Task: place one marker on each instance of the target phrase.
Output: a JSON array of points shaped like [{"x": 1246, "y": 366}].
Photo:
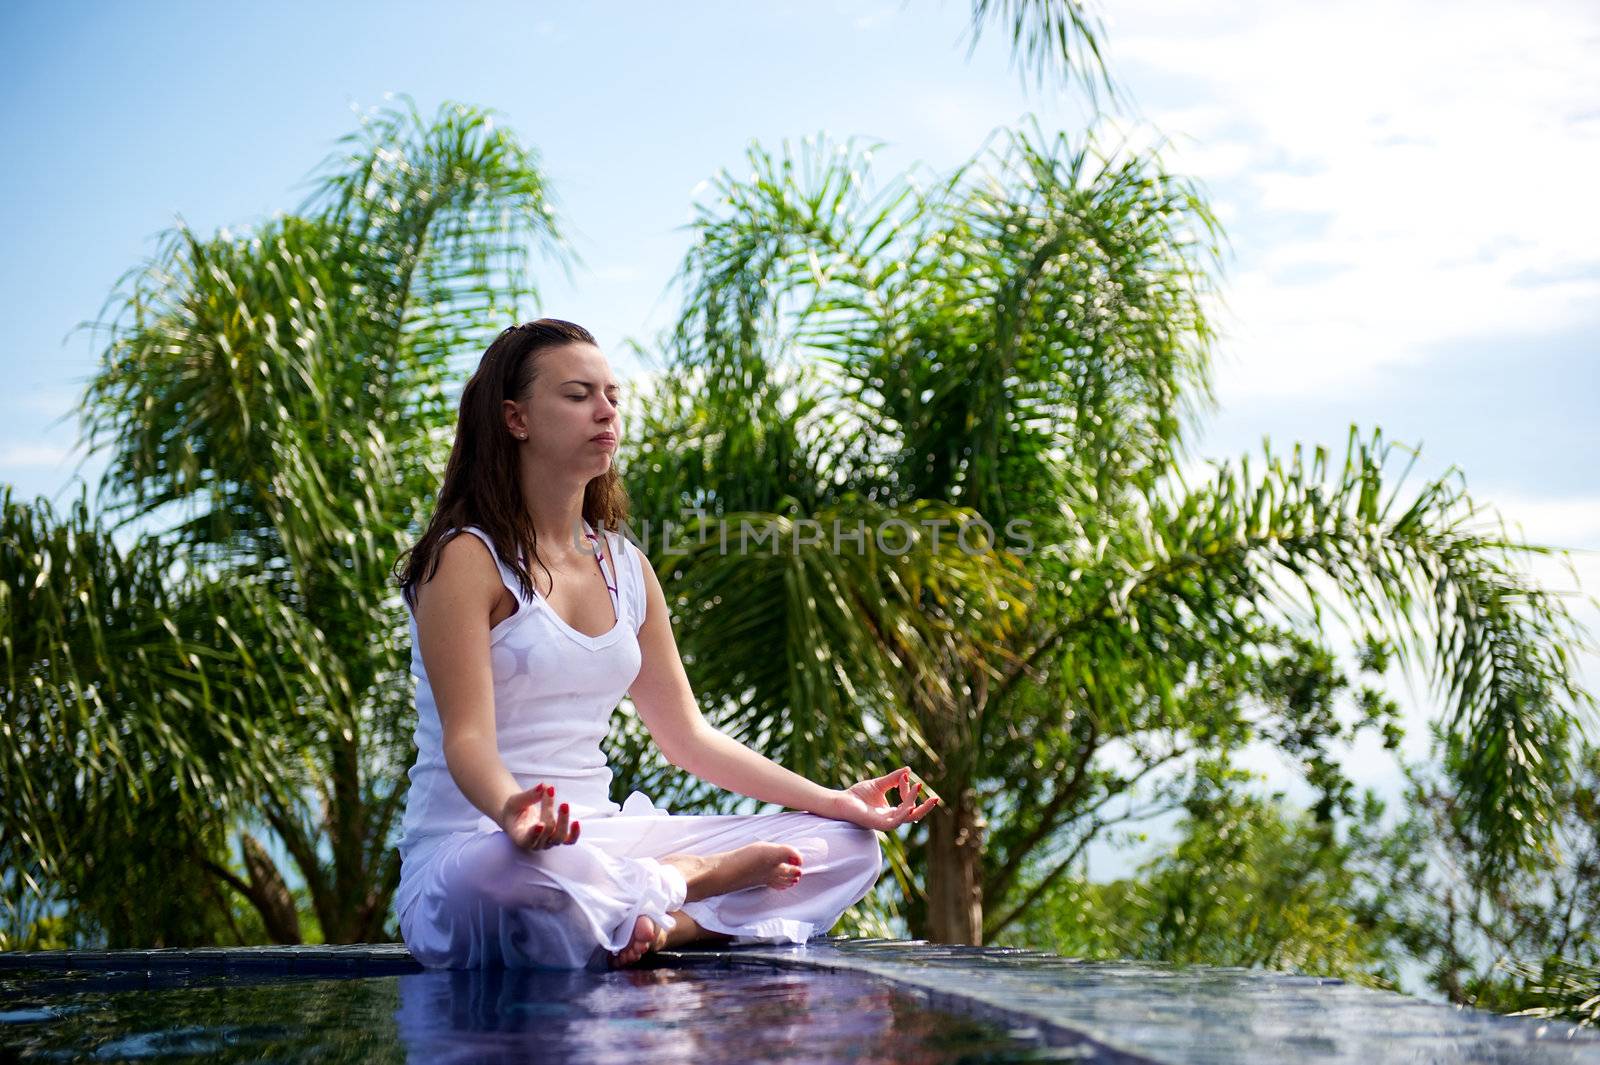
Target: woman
[{"x": 529, "y": 621}]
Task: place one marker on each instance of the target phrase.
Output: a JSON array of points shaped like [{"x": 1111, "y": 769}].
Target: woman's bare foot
[
  {"x": 646, "y": 938},
  {"x": 773, "y": 865}
]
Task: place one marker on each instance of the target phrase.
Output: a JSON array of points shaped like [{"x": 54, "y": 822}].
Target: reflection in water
[
  {"x": 195, "y": 1015},
  {"x": 707, "y": 1016},
  {"x": 678, "y": 1016},
  {"x": 712, "y": 1014}
]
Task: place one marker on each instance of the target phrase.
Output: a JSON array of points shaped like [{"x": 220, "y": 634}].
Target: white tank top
[{"x": 554, "y": 691}]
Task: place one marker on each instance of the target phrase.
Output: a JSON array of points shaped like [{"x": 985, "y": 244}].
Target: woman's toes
[
  {"x": 644, "y": 936},
  {"x": 785, "y": 876},
  {"x": 785, "y": 870}
]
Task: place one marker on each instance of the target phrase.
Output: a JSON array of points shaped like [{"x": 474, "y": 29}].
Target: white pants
[{"x": 478, "y": 900}]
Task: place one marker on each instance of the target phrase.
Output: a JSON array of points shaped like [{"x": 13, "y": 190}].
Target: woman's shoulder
[
  {"x": 469, "y": 558},
  {"x": 467, "y": 541}
]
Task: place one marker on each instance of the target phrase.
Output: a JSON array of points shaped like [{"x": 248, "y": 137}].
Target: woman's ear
[{"x": 516, "y": 423}]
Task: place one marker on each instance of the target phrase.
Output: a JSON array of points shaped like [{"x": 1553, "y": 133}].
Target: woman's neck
[{"x": 557, "y": 513}]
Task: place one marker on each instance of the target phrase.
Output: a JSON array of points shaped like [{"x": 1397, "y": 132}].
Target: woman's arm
[
  {"x": 666, "y": 705},
  {"x": 453, "y": 611}
]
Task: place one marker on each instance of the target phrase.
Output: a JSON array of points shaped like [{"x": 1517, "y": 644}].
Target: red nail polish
[{"x": 563, "y": 807}]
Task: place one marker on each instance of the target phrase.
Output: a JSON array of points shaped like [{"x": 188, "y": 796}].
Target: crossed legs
[
  {"x": 483, "y": 901},
  {"x": 774, "y": 865}
]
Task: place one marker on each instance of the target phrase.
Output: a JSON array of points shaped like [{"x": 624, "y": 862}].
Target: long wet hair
[{"x": 482, "y": 485}]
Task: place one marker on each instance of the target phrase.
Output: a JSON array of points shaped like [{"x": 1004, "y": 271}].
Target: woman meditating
[{"x": 530, "y": 619}]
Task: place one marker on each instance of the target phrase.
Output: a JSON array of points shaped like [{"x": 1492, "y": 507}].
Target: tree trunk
[
  {"x": 955, "y": 872},
  {"x": 345, "y": 819},
  {"x": 269, "y": 893}
]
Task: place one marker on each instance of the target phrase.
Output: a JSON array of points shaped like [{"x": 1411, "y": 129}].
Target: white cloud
[
  {"x": 1439, "y": 155},
  {"x": 33, "y": 455},
  {"x": 1562, "y": 521},
  {"x": 866, "y": 20}
]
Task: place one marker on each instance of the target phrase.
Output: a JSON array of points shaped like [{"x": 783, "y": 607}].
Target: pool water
[
  {"x": 706, "y": 1016},
  {"x": 831, "y": 1000}
]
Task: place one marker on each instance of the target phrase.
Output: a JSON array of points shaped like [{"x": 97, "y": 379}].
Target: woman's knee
[
  {"x": 866, "y": 848},
  {"x": 852, "y": 846},
  {"x": 493, "y": 870}
]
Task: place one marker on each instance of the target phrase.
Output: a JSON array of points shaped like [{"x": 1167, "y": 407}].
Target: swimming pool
[
  {"x": 699, "y": 1014},
  {"x": 886, "y": 1001}
]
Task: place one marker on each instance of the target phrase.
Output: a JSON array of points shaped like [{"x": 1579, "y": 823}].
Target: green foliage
[
  {"x": 131, "y": 737},
  {"x": 1248, "y": 883},
  {"x": 1023, "y": 341},
  {"x": 1561, "y": 989},
  {"x": 1500, "y": 939},
  {"x": 1251, "y": 882},
  {"x": 275, "y": 409},
  {"x": 1048, "y": 39},
  {"x": 1282, "y": 689}
]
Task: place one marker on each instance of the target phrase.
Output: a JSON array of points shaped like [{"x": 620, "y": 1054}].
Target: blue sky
[{"x": 1405, "y": 185}]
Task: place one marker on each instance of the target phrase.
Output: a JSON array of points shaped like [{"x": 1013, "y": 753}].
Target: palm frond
[
  {"x": 1437, "y": 577},
  {"x": 1049, "y": 39}
]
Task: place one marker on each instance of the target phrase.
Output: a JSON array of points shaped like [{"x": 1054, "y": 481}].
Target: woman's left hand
[{"x": 867, "y": 803}]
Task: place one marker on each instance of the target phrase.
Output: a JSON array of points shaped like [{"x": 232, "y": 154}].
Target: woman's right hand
[{"x": 532, "y": 821}]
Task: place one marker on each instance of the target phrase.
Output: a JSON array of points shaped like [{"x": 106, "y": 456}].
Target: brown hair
[{"x": 481, "y": 484}]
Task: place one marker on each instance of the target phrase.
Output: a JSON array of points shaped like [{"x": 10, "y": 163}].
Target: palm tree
[
  {"x": 132, "y": 687},
  {"x": 1024, "y": 342},
  {"x": 276, "y": 409}
]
